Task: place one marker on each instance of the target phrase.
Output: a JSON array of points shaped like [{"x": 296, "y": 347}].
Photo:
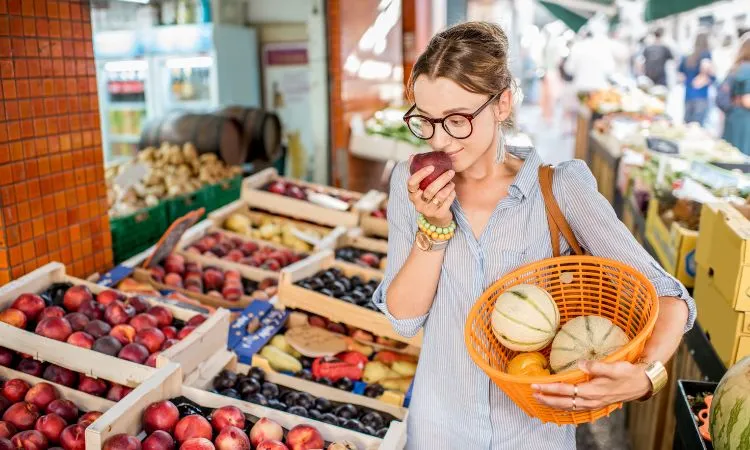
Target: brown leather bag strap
[{"x": 556, "y": 219}]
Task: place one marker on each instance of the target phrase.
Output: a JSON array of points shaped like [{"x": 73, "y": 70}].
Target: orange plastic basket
[{"x": 580, "y": 285}]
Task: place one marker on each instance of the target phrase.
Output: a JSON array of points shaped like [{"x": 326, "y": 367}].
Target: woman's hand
[
  {"x": 434, "y": 202},
  {"x": 610, "y": 383}
]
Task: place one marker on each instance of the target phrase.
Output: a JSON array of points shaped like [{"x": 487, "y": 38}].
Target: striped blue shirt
[{"x": 454, "y": 404}]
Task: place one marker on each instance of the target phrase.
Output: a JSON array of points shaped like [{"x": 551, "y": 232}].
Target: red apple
[
  {"x": 89, "y": 418},
  {"x": 98, "y": 328},
  {"x": 22, "y": 415},
  {"x": 138, "y": 303},
  {"x": 81, "y": 339},
  {"x": 115, "y": 314},
  {"x": 93, "y": 386},
  {"x": 170, "y": 332},
  {"x": 266, "y": 430},
  {"x": 151, "y": 338},
  {"x": 197, "y": 444},
  {"x": 7, "y": 429},
  {"x": 232, "y": 438},
  {"x": 51, "y": 311},
  {"x": 30, "y": 440},
  {"x": 92, "y": 310},
  {"x": 29, "y": 304},
  {"x": 31, "y": 367},
  {"x": 15, "y": 390},
  {"x": 213, "y": 279},
  {"x": 107, "y": 345},
  {"x": 51, "y": 426},
  {"x": 122, "y": 442},
  {"x": 60, "y": 375},
  {"x": 439, "y": 160},
  {"x": 163, "y": 315},
  {"x": 63, "y": 408},
  {"x": 304, "y": 437},
  {"x": 117, "y": 392},
  {"x": 185, "y": 331},
  {"x": 161, "y": 415},
  {"x": 143, "y": 321},
  {"x": 109, "y": 296},
  {"x": 75, "y": 296},
  {"x": 77, "y": 320},
  {"x": 136, "y": 353},
  {"x": 159, "y": 440},
  {"x": 123, "y": 333},
  {"x": 271, "y": 445},
  {"x": 14, "y": 317},
  {"x": 192, "y": 426},
  {"x": 73, "y": 437},
  {"x": 41, "y": 395},
  {"x": 227, "y": 416}
]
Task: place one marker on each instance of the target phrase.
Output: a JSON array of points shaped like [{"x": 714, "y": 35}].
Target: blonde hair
[{"x": 472, "y": 54}]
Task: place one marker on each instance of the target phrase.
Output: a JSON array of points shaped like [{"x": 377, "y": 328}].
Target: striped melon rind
[
  {"x": 525, "y": 318},
  {"x": 585, "y": 338},
  {"x": 729, "y": 420}
]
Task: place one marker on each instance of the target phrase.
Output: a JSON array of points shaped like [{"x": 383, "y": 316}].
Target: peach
[
  {"x": 75, "y": 296},
  {"x": 77, "y": 320},
  {"x": 168, "y": 343},
  {"x": 51, "y": 311},
  {"x": 30, "y": 440},
  {"x": 89, "y": 418},
  {"x": 14, "y": 317},
  {"x": 213, "y": 279},
  {"x": 161, "y": 415},
  {"x": 122, "y": 442},
  {"x": 63, "y": 408},
  {"x": 197, "y": 444},
  {"x": 123, "y": 333},
  {"x": 41, "y": 395},
  {"x": 93, "y": 386},
  {"x": 304, "y": 437},
  {"x": 51, "y": 426},
  {"x": 227, "y": 416},
  {"x": 196, "y": 320},
  {"x": 163, "y": 315},
  {"x": 73, "y": 437},
  {"x": 15, "y": 390},
  {"x": 271, "y": 445},
  {"x": 115, "y": 314},
  {"x": 192, "y": 426},
  {"x": 170, "y": 332},
  {"x": 143, "y": 321},
  {"x": 81, "y": 339},
  {"x": 232, "y": 438},
  {"x": 151, "y": 360},
  {"x": 98, "y": 328},
  {"x": 21, "y": 415},
  {"x": 173, "y": 280},
  {"x": 185, "y": 331},
  {"x": 138, "y": 303},
  {"x": 159, "y": 440},
  {"x": 55, "y": 328},
  {"x": 60, "y": 375},
  {"x": 7, "y": 430},
  {"x": 108, "y": 297},
  {"x": 266, "y": 430},
  {"x": 151, "y": 338},
  {"x": 136, "y": 353},
  {"x": 29, "y": 304}
]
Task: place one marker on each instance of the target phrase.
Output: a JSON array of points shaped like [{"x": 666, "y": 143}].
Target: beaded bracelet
[{"x": 435, "y": 232}]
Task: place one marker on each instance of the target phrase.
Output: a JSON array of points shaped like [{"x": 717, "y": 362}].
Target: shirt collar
[{"x": 527, "y": 177}]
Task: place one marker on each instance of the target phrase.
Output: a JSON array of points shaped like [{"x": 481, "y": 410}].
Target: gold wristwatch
[
  {"x": 426, "y": 243},
  {"x": 657, "y": 374}
]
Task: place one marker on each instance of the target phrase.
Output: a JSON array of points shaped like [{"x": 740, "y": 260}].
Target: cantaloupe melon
[
  {"x": 729, "y": 419},
  {"x": 525, "y": 318},
  {"x": 584, "y": 338}
]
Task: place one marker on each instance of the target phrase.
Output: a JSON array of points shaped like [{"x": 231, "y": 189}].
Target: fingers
[
  {"x": 555, "y": 389},
  {"x": 600, "y": 369},
  {"x": 439, "y": 203},
  {"x": 439, "y": 183},
  {"x": 567, "y": 403},
  {"x": 412, "y": 184}
]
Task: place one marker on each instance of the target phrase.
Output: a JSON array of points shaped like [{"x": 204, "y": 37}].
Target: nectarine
[
  {"x": 75, "y": 296},
  {"x": 161, "y": 415},
  {"x": 30, "y": 304}
]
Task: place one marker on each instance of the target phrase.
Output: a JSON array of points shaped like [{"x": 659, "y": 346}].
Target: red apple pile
[
  {"x": 226, "y": 428},
  {"x": 249, "y": 253},
  {"x": 37, "y": 418},
  {"x": 110, "y": 323},
  {"x": 177, "y": 273}
]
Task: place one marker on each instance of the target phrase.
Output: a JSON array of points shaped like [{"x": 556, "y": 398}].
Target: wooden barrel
[
  {"x": 262, "y": 132},
  {"x": 209, "y": 133}
]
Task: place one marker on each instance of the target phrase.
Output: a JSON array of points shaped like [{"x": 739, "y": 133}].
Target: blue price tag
[
  {"x": 251, "y": 344},
  {"x": 238, "y": 329}
]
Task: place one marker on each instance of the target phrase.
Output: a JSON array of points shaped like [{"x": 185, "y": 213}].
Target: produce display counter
[{"x": 603, "y": 159}]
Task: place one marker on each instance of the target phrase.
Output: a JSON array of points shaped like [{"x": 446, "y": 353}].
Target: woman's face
[{"x": 437, "y": 98}]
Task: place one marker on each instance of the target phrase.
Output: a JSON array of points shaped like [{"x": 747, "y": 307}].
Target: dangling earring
[{"x": 500, "y": 155}]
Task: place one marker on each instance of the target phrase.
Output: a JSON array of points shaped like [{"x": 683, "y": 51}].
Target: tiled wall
[{"x": 52, "y": 192}]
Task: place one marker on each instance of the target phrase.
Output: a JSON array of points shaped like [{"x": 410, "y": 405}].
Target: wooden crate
[
  {"x": 79, "y": 359},
  {"x": 372, "y": 226},
  {"x": 220, "y": 216},
  {"x": 255, "y": 196},
  {"x": 125, "y": 417},
  {"x": 674, "y": 246},
  {"x": 358, "y": 239},
  {"x": 293, "y": 296},
  {"x": 227, "y": 360}
]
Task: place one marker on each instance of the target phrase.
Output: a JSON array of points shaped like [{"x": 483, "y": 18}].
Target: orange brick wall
[{"x": 52, "y": 192}]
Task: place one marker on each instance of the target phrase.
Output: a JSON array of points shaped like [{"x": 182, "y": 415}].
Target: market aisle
[{"x": 552, "y": 143}]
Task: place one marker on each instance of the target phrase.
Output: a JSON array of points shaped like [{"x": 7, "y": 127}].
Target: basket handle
[{"x": 555, "y": 218}]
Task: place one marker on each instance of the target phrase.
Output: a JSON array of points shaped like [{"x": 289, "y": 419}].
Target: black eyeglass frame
[{"x": 469, "y": 117}]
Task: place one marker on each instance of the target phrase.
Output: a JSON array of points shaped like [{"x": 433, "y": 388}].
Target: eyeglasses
[{"x": 457, "y": 125}]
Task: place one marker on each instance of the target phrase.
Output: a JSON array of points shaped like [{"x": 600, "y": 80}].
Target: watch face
[{"x": 423, "y": 242}]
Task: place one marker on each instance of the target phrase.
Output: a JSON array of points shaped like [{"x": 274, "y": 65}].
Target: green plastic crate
[
  {"x": 224, "y": 192},
  {"x": 182, "y": 204},
  {"x": 136, "y": 232}
]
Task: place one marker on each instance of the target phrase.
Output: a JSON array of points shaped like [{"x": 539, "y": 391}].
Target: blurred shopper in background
[
  {"x": 551, "y": 81},
  {"x": 734, "y": 99},
  {"x": 724, "y": 57},
  {"x": 620, "y": 53},
  {"x": 655, "y": 57},
  {"x": 590, "y": 63},
  {"x": 697, "y": 72}
]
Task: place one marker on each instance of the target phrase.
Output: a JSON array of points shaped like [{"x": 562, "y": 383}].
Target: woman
[
  {"x": 697, "y": 73},
  {"x": 737, "y": 124},
  {"x": 494, "y": 200}
]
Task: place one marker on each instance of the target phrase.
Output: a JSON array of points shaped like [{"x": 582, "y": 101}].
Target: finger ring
[
  {"x": 425, "y": 199},
  {"x": 436, "y": 202},
  {"x": 412, "y": 192},
  {"x": 574, "y": 403},
  {"x": 575, "y": 390}
]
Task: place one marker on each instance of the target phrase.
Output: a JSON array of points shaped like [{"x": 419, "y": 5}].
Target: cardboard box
[
  {"x": 674, "y": 246},
  {"x": 724, "y": 250}
]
